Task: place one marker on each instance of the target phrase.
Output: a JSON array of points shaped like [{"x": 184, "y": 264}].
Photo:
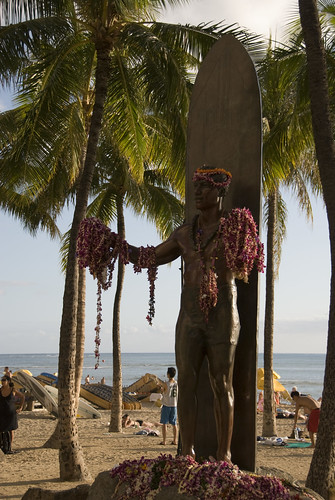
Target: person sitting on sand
[
  {"x": 260, "y": 402},
  {"x": 311, "y": 406},
  {"x": 128, "y": 422}
]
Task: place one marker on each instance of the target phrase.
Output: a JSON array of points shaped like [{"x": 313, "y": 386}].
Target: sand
[{"x": 34, "y": 465}]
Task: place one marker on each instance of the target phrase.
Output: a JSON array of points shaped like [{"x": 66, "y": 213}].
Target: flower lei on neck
[
  {"x": 147, "y": 259},
  {"x": 237, "y": 234},
  {"x": 98, "y": 248},
  {"x": 208, "y": 293}
]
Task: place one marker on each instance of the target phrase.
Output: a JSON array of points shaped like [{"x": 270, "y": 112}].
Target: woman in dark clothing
[{"x": 8, "y": 413}]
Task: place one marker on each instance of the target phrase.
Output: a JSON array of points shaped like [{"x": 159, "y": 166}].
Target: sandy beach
[{"x": 35, "y": 466}]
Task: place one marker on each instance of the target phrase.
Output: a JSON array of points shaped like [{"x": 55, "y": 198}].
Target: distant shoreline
[{"x": 145, "y": 352}]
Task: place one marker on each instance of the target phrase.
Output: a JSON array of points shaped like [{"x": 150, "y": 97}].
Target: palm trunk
[
  {"x": 269, "y": 417},
  {"x": 72, "y": 466},
  {"x": 53, "y": 441},
  {"x": 116, "y": 410},
  {"x": 321, "y": 475},
  {"x": 80, "y": 334}
]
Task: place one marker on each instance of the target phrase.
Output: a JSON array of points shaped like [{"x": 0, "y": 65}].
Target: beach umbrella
[
  {"x": 277, "y": 386},
  {"x": 260, "y": 374}
]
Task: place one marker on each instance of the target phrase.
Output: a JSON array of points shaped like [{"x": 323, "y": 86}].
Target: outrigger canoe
[
  {"x": 145, "y": 386},
  {"x": 101, "y": 395},
  {"x": 36, "y": 390},
  {"x": 84, "y": 409},
  {"x": 47, "y": 379}
]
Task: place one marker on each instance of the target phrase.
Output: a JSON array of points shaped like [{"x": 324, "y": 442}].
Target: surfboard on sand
[
  {"x": 84, "y": 409},
  {"x": 224, "y": 130},
  {"x": 36, "y": 390}
]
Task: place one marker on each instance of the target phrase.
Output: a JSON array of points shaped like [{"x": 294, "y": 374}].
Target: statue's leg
[
  {"x": 222, "y": 336},
  {"x": 190, "y": 353},
  {"x": 221, "y": 366}
]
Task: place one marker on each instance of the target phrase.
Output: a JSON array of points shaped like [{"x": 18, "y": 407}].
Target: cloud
[
  {"x": 316, "y": 325},
  {"x": 6, "y": 284},
  {"x": 299, "y": 335}
]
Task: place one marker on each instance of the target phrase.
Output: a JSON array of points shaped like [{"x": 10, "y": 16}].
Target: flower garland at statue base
[{"x": 143, "y": 479}]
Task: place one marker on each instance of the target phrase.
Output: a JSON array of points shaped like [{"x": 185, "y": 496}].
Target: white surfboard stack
[{"x": 48, "y": 395}]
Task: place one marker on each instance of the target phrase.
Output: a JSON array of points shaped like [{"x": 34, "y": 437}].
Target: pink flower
[{"x": 98, "y": 248}]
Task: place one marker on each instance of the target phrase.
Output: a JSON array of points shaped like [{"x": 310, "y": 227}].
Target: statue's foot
[
  {"x": 224, "y": 457},
  {"x": 228, "y": 460},
  {"x": 188, "y": 451}
]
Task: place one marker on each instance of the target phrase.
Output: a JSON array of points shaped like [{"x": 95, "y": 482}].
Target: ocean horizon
[{"x": 304, "y": 370}]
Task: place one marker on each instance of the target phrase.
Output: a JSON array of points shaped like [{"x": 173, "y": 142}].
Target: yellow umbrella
[
  {"x": 260, "y": 374},
  {"x": 277, "y": 386}
]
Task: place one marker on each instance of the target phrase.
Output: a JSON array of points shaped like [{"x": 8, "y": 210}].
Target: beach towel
[{"x": 299, "y": 444}]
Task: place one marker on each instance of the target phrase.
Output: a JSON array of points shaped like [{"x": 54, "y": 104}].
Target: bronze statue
[{"x": 215, "y": 248}]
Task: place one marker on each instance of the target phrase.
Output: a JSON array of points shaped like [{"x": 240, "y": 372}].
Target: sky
[{"x": 32, "y": 285}]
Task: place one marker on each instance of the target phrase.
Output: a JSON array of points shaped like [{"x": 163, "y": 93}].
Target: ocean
[{"x": 306, "y": 371}]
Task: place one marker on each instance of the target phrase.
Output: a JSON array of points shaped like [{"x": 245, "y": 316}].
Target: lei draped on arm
[
  {"x": 242, "y": 246},
  {"x": 147, "y": 260},
  {"x": 98, "y": 248}
]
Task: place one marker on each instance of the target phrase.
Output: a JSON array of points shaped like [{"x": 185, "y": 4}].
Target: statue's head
[{"x": 216, "y": 177}]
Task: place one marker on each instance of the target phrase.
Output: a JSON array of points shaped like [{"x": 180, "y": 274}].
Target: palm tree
[
  {"x": 288, "y": 161},
  {"x": 122, "y": 39},
  {"x": 321, "y": 474},
  {"x": 115, "y": 187}
]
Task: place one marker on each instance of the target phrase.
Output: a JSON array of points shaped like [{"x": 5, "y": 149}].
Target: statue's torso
[{"x": 212, "y": 253}]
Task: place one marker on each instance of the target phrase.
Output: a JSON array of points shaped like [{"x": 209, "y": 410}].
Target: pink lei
[
  {"x": 98, "y": 248},
  {"x": 239, "y": 239},
  {"x": 94, "y": 243},
  {"x": 147, "y": 260}
]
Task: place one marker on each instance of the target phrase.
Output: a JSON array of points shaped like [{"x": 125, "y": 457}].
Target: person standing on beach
[
  {"x": 7, "y": 372},
  {"x": 311, "y": 407},
  {"x": 216, "y": 247},
  {"x": 8, "y": 413},
  {"x": 169, "y": 405}
]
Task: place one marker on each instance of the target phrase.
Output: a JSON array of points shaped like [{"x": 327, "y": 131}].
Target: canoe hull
[
  {"x": 36, "y": 390},
  {"x": 101, "y": 395},
  {"x": 84, "y": 409}
]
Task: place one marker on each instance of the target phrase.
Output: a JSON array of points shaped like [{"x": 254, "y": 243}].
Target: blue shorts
[{"x": 169, "y": 415}]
